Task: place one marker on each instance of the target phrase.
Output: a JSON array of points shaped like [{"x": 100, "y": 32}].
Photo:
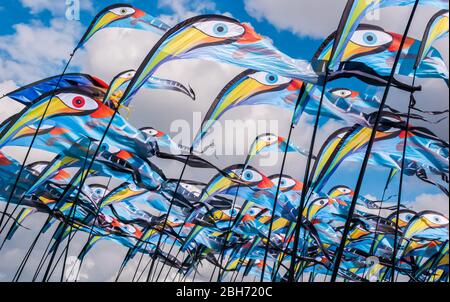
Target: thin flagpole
[
  {"x": 168, "y": 213},
  {"x": 90, "y": 233},
  {"x": 405, "y": 142},
  {"x": 67, "y": 220},
  {"x": 338, "y": 256},
  {"x": 25, "y": 260},
  {"x": 400, "y": 185},
  {"x": 191, "y": 150},
  {"x": 27, "y": 255},
  {"x": 306, "y": 186},
  {"x": 372, "y": 246},
  {"x": 80, "y": 188},
  {"x": 19, "y": 174},
  {"x": 277, "y": 192}
]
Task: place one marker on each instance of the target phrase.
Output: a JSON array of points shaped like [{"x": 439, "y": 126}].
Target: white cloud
[
  {"x": 35, "y": 50},
  {"x": 113, "y": 50},
  {"x": 315, "y": 19},
  {"x": 436, "y": 202},
  {"x": 370, "y": 197},
  {"x": 8, "y": 107},
  {"x": 184, "y": 9},
  {"x": 7, "y": 86},
  {"x": 182, "y": 6}
]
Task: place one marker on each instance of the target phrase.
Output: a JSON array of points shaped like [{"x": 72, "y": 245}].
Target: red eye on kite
[{"x": 78, "y": 102}]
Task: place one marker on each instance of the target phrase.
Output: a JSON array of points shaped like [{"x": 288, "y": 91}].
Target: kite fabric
[{"x": 109, "y": 180}]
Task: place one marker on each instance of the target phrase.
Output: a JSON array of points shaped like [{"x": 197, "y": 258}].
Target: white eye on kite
[
  {"x": 345, "y": 190},
  {"x": 100, "y": 191},
  {"x": 134, "y": 188},
  {"x": 113, "y": 149},
  {"x": 192, "y": 189},
  {"x": 341, "y": 93},
  {"x": 371, "y": 38},
  {"x": 254, "y": 211},
  {"x": 406, "y": 216},
  {"x": 78, "y": 102},
  {"x": 151, "y": 131},
  {"x": 270, "y": 138},
  {"x": 269, "y": 79},
  {"x": 129, "y": 228},
  {"x": 321, "y": 202},
  {"x": 187, "y": 187},
  {"x": 285, "y": 182},
  {"x": 423, "y": 242},
  {"x": 220, "y": 29},
  {"x": 231, "y": 212},
  {"x": 122, "y": 11},
  {"x": 128, "y": 75},
  {"x": 249, "y": 175},
  {"x": 436, "y": 219}
]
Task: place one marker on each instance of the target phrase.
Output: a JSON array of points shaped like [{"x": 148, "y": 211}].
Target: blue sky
[
  {"x": 284, "y": 39},
  {"x": 36, "y": 39}
]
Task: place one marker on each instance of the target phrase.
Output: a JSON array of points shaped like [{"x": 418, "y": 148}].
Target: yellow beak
[
  {"x": 221, "y": 184},
  {"x": 417, "y": 227},
  {"x": 102, "y": 22},
  {"x": 353, "y": 49},
  {"x": 178, "y": 44},
  {"x": 121, "y": 195},
  {"x": 55, "y": 106}
]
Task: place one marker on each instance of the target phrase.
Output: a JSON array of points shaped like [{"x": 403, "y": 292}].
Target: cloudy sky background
[{"x": 36, "y": 40}]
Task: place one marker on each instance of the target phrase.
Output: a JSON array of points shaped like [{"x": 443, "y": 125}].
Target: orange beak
[
  {"x": 123, "y": 155},
  {"x": 250, "y": 36},
  {"x": 265, "y": 183},
  {"x": 138, "y": 13},
  {"x": 247, "y": 217},
  {"x": 341, "y": 202},
  {"x": 295, "y": 85}
]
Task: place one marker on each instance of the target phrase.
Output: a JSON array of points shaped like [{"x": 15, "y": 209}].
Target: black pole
[
  {"x": 275, "y": 202},
  {"x": 66, "y": 220},
  {"x": 340, "y": 250},
  {"x": 400, "y": 185},
  {"x": 305, "y": 184},
  {"x": 372, "y": 246},
  {"x": 19, "y": 174},
  {"x": 337, "y": 37}
]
